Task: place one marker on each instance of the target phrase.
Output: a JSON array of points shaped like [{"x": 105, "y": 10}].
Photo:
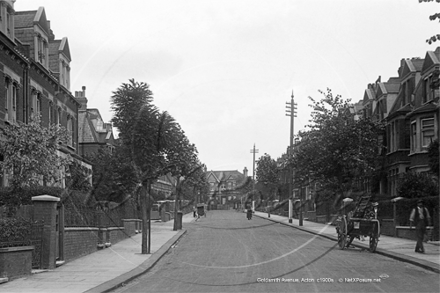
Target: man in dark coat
[{"x": 420, "y": 218}]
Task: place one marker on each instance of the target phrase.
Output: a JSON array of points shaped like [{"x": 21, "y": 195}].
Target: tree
[
  {"x": 268, "y": 174},
  {"x": 433, "y": 154},
  {"x": 152, "y": 141},
  {"x": 338, "y": 148},
  {"x": 113, "y": 175},
  {"x": 416, "y": 185},
  {"x": 30, "y": 153},
  {"x": 433, "y": 17},
  {"x": 137, "y": 120}
]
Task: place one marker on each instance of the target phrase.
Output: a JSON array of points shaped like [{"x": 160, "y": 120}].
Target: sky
[{"x": 225, "y": 69}]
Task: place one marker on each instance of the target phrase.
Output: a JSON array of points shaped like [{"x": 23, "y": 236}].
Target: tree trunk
[
  {"x": 176, "y": 202},
  {"x": 145, "y": 221}
]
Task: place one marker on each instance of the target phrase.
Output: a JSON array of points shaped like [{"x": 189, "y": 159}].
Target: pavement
[{"x": 110, "y": 268}]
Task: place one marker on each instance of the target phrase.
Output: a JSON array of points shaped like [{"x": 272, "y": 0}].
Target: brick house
[
  {"x": 93, "y": 132},
  {"x": 35, "y": 75},
  {"x": 424, "y": 118},
  {"x": 222, "y": 186},
  {"x": 410, "y": 110}
]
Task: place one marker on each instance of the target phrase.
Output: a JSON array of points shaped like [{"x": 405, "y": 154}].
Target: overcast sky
[{"x": 225, "y": 69}]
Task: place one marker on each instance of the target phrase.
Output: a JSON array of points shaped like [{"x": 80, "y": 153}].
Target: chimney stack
[{"x": 80, "y": 96}]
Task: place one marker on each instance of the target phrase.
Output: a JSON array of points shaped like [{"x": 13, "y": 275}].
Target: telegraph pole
[
  {"x": 291, "y": 111},
  {"x": 253, "y": 151}
]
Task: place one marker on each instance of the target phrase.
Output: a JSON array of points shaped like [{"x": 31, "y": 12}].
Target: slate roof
[
  {"x": 24, "y": 19},
  {"x": 227, "y": 175}
]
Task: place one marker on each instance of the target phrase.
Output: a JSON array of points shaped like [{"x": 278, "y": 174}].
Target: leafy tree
[
  {"x": 433, "y": 154},
  {"x": 337, "y": 149},
  {"x": 113, "y": 175},
  {"x": 30, "y": 153},
  {"x": 433, "y": 17},
  {"x": 268, "y": 175},
  {"x": 416, "y": 185},
  {"x": 153, "y": 143},
  {"x": 77, "y": 177}
]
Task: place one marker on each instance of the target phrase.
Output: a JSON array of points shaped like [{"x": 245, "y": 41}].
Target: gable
[
  {"x": 64, "y": 48},
  {"x": 368, "y": 95},
  {"x": 430, "y": 60},
  {"x": 211, "y": 177},
  {"x": 86, "y": 132},
  {"x": 407, "y": 69},
  {"x": 41, "y": 20}
]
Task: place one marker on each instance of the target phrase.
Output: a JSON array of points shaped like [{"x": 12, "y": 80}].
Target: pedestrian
[
  {"x": 249, "y": 214},
  {"x": 194, "y": 211},
  {"x": 420, "y": 218}
]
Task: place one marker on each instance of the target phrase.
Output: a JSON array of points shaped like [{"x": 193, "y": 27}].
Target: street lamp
[{"x": 394, "y": 201}]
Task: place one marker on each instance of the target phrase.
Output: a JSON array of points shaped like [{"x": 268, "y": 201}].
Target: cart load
[
  {"x": 361, "y": 222},
  {"x": 201, "y": 209}
]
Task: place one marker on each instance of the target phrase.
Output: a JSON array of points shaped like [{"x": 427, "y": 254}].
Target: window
[
  {"x": 413, "y": 136},
  {"x": 428, "y": 93},
  {"x": 11, "y": 88},
  {"x": 50, "y": 116},
  {"x": 70, "y": 131},
  {"x": 42, "y": 49},
  {"x": 58, "y": 117},
  {"x": 36, "y": 103},
  {"x": 427, "y": 131}
]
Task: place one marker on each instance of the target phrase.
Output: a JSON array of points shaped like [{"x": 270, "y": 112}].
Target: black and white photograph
[{"x": 219, "y": 146}]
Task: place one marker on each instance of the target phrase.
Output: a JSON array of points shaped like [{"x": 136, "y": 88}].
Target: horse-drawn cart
[
  {"x": 361, "y": 222},
  {"x": 201, "y": 210}
]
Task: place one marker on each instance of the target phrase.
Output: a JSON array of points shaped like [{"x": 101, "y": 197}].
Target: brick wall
[
  {"x": 15, "y": 261},
  {"x": 79, "y": 241},
  {"x": 117, "y": 234}
]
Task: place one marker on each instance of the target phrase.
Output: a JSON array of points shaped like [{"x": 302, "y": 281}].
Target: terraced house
[
  {"x": 409, "y": 105},
  {"x": 35, "y": 75}
]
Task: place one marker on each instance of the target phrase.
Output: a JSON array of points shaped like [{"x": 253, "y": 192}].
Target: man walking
[{"x": 420, "y": 218}]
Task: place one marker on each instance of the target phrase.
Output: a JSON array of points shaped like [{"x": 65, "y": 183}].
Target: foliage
[
  {"x": 338, "y": 148},
  {"x": 14, "y": 229},
  {"x": 13, "y": 198},
  {"x": 30, "y": 153},
  {"x": 268, "y": 175},
  {"x": 152, "y": 141},
  {"x": 125, "y": 103},
  {"x": 77, "y": 177},
  {"x": 113, "y": 175},
  {"x": 416, "y": 185},
  {"x": 433, "y": 17},
  {"x": 433, "y": 155}
]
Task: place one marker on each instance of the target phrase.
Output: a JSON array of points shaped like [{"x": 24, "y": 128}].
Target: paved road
[{"x": 225, "y": 252}]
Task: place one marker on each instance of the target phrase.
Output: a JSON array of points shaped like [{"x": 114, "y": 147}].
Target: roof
[
  {"x": 24, "y": 19},
  {"x": 226, "y": 175},
  {"x": 27, "y": 19}
]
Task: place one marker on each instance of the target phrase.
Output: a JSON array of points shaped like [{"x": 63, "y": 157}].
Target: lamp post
[
  {"x": 291, "y": 112},
  {"x": 394, "y": 201}
]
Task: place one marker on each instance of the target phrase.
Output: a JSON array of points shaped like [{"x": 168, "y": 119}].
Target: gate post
[{"x": 45, "y": 209}]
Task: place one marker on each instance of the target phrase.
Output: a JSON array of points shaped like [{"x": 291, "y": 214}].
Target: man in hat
[{"x": 420, "y": 218}]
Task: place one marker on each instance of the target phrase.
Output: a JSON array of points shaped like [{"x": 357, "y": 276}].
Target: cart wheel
[
  {"x": 342, "y": 233},
  {"x": 374, "y": 237},
  {"x": 350, "y": 240},
  {"x": 373, "y": 243}
]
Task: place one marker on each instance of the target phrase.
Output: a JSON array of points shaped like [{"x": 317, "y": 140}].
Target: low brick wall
[
  {"x": 15, "y": 261},
  {"x": 117, "y": 234},
  {"x": 407, "y": 233},
  {"x": 79, "y": 241},
  {"x": 132, "y": 226},
  {"x": 387, "y": 227}
]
